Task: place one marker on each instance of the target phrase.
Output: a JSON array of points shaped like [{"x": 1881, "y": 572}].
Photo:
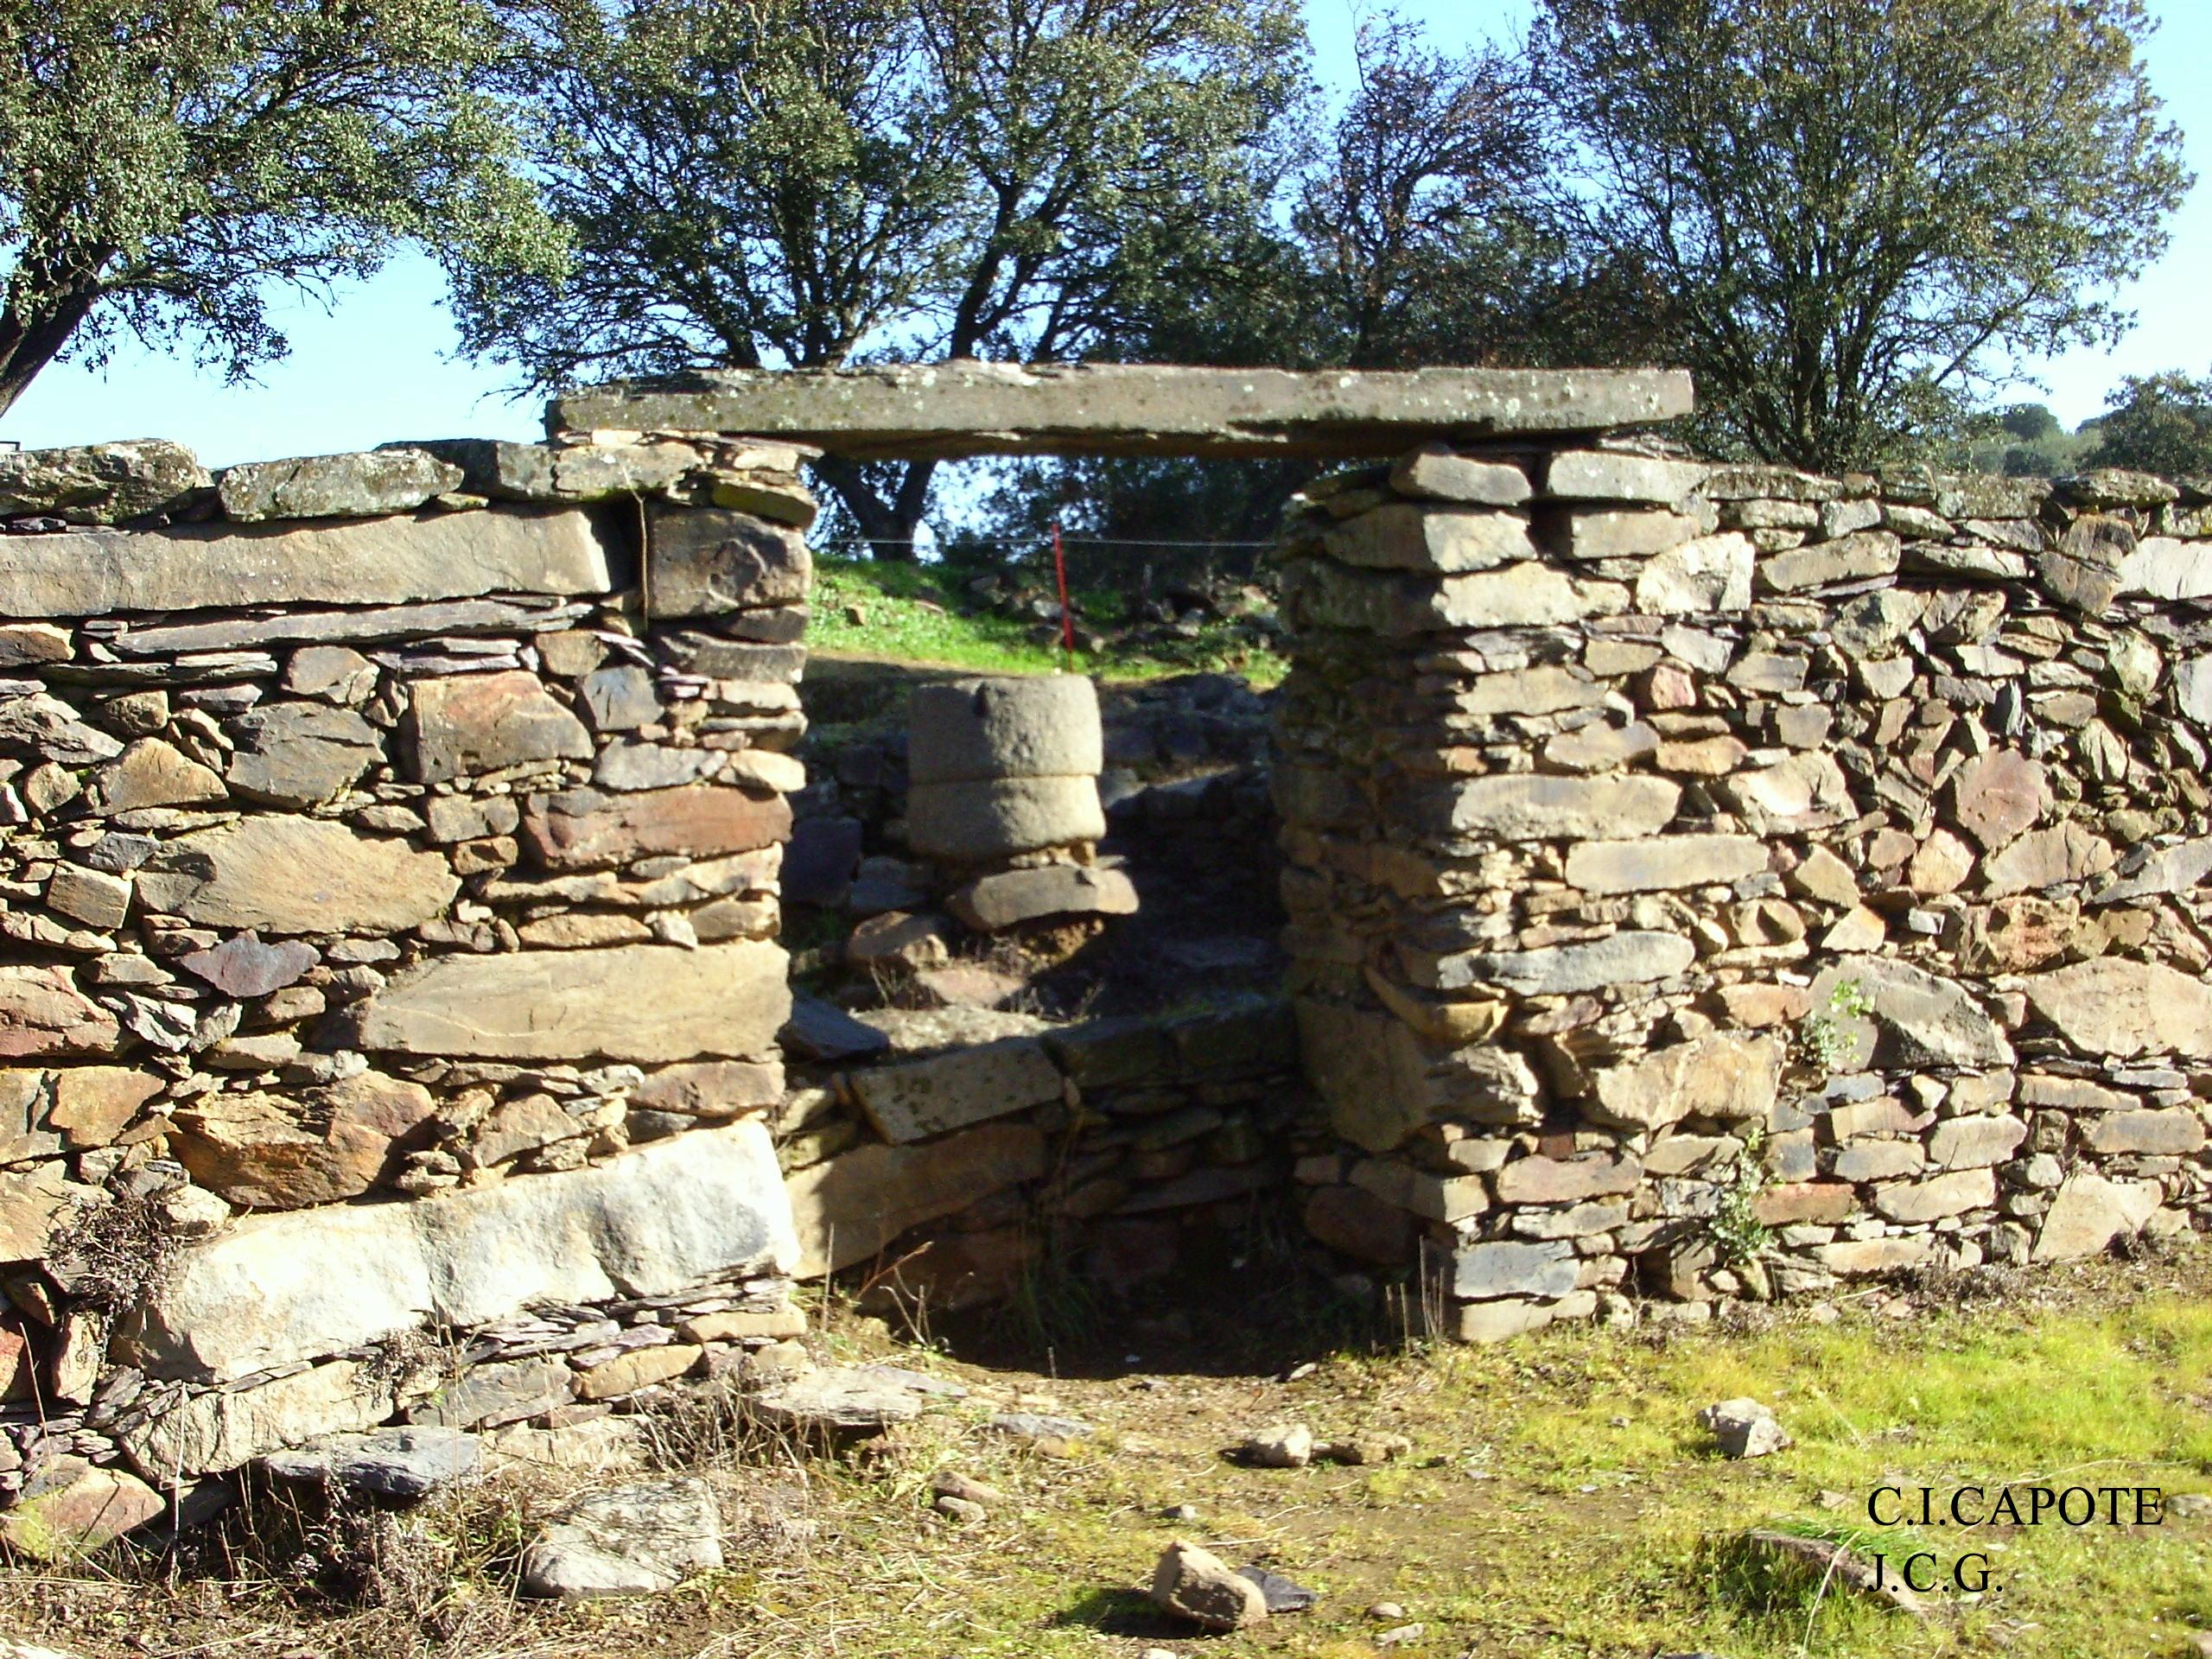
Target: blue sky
[{"x": 378, "y": 366}]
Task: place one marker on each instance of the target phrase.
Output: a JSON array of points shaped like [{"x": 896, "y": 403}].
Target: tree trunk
[
  {"x": 28, "y": 344},
  {"x": 888, "y": 524}
]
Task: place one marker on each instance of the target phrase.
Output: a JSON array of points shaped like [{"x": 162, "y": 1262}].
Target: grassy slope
[{"x": 921, "y": 614}]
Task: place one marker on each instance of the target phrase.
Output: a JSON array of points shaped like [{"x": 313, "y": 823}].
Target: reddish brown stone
[
  {"x": 273, "y": 1154},
  {"x": 711, "y": 1087},
  {"x": 1566, "y": 1181},
  {"x": 93, "y": 1105},
  {"x": 1353, "y": 1221},
  {"x": 41, "y": 1012},
  {"x": 246, "y": 967},
  {"x": 1997, "y": 795},
  {"x": 2016, "y": 934},
  {"x": 1758, "y": 1007},
  {"x": 1820, "y": 1202},
  {"x": 582, "y": 828}
]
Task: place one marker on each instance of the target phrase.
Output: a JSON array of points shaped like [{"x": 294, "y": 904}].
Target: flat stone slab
[
  {"x": 859, "y": 1400},
  {"x": 398, "y": 1465},
  {"x": 945, "y": 410},
  {"x": 280, "y": 1288},
  {"x": 631, "y": 1540},
  {"x": 363, "y": 562}
]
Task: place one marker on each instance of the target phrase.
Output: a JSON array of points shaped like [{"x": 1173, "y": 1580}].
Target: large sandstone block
[
  {"x": 974, "y": 822},
  {"x": 295, "y": 875},
  {"x": 2119, "y": 1007},
  {"x": 703, "y": 560},
  {"x": 2089, "y": 1212},
  {"x": 988, "y": 408},
  {"x": 372, "y": 562},
  {"x": 1917, "y": 1018},
  {"x": 582, "y": 829},
  {"x": 950, "y": 1091},
  {"x": 850, "y": 1207},
  {"x": 277, "y": 1289},
  {"x": 1038, "y": 726},
  {"x": 644, "y": 1002}
]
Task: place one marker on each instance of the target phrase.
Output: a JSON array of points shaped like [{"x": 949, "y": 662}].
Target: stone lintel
[{"x": 945, "y": 410}]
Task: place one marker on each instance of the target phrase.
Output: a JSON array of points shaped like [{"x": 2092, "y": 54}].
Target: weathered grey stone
[
  {"x": 99, "y": 483},
  {"x": 334, "y": 487},
  {"x": 974, "y": 822},
  {"x": 2163, "y": 568},
  {"x": 2176, "y": 868},
  {"x": 702, "y": 561},
  {"x": 277, "y": 1289},
  {"x": 1918, "y": 1018},
  {"x": 1727, "y": 1076},
  {"x": 850, "y": 1207},
  {"x": 635, "y": 1002},
  {"x": 48, "y": 727},
  {"x": 1546, "y": 1269},
  {"x": 481, "y": 722},
  {"x": 295, "y": 875},
  {"x": 1629, "y": 958},
  {"x": 246, "y": 967},
  {"x": 377, "y": 562},
  {"x": 1976, "y": 1141},
  {"x": 69, "y": 1508},
  {"x": 1444, "y": 541},
  {"x": 1874, "y": 624},
  {"x": 1527, "y": 806},
  {"x": 209, "y": 1433},
  {"x": 2193, "y": 688},
  {"x": 1701, "y": 577},
  {"x": 633, "y": 1541},
  {"x": 2176, "y": 1131},
  {"x": 1542, "y": 691},
  {"x": 621, "y": 699},
  {"x": 1663, "y": 862},
  {"x": 971, "y": 408},
  {"x": 865, "y": 1398},
  {"x": 1953, "y": 1194},
  {"x": 1432, "y": 472},
  {"x": 2117, "y": 1006},
  {"x": 950, "y": 1091},
  {"x": 2059, "y": 856},
  {"x": 582, "y": 829},
  {"x": 1011, "y": 897},
  {"x": 1327, "y": 595},
  {"x": 93, "y": 1105},
  {"x": 1610, "y": 475},
  {"x": 400, "y": 1466},
  {"x": 2090, "y": 1212},
  {"x": 1040, "y": 725},
  {"x": 379, "y": 625},
  {"x": 1744, "y": 1428},
  {"x": 1626, "y": 533},
  {"x": 491, "y": 1396},
  {"x": 1196, "y": 1584},
  {"x": 300, "y": 754},
  {"x": 1847, "y": 558}
]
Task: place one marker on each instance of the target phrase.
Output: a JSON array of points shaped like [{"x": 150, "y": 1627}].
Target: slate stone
[
  {"x": 334, "y": 487},
  {"x": 621, "y": 699},
  {"x": 211, "y": 1432},
  {"x": 1627, "y": 957},
  {"x": 333, "y": 1143},
  {"x": 2119, "y": 1006},
  {"x": 372, "y": 561},
  {"x": 649, "y": 1003},
  {"x": 635, "y": 1540},
  {"x": 967, "y": 409},
  {"x": 1917, "y": 1018},
  {"x": 1282, "y": 1595},
  {"x": 851, "y": 1400},
  {"x": 474, "y": 723},
  {"x": 99, "y": 483},
  {"x": 1483, "y": 1271},
  {"x": 924, "y": 1098},
  {"x": 582, "y": 829},
  {"x": 152, "y": 773},
  {"x": 819, "y": 861},
  {"x": 1196, "y": 1584},
  {"x": 397, "y": 1466},
  {"x": 704, "y": 562},
  {"x": 300, "y": 754},
  {"x": 849, "y": 1208},
  {"x": 295, "y": 875},
  {"x": 43, "y": 1014}
]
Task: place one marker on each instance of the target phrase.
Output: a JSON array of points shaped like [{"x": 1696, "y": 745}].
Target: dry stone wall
[
  {"x": 1719, "y": 881},
  {"x": 389, "y": 852}
]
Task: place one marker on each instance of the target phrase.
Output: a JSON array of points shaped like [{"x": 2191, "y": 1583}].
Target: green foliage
[
  {"x": 1734, "y": 1227},
  {"x": 2032, "y": 422},
  {"x": 164, "y": 166},
  {"x": 1861, "y": 209},
  {"x": 2157, "y": 424},
  {"x": 819, "y": 182},
  {"x": 1824, "y": 1036}
]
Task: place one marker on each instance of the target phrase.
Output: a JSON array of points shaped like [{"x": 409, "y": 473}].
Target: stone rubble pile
[
  {"x": 1721, "y": 881},
  {"x": 388, "y": 849}
]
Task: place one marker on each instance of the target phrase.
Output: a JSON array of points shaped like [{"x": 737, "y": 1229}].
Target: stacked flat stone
[
  {"x": 1003, "y": 799},
  {"x": 970, "y": 1145},
  {"x": 1720, "y": 882},
  {"x": 395, "y": 827}
]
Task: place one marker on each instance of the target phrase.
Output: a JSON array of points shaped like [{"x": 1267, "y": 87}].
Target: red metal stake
[{"x": 1067, "y": 617}]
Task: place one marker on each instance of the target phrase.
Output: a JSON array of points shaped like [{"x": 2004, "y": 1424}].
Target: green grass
[{"x": 924, "y": 613}]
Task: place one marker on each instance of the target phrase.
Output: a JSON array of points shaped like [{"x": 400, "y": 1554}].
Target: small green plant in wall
[
  {"x": 1736, "y": 1231},
  {"x": 1824, "y": 1035}
]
